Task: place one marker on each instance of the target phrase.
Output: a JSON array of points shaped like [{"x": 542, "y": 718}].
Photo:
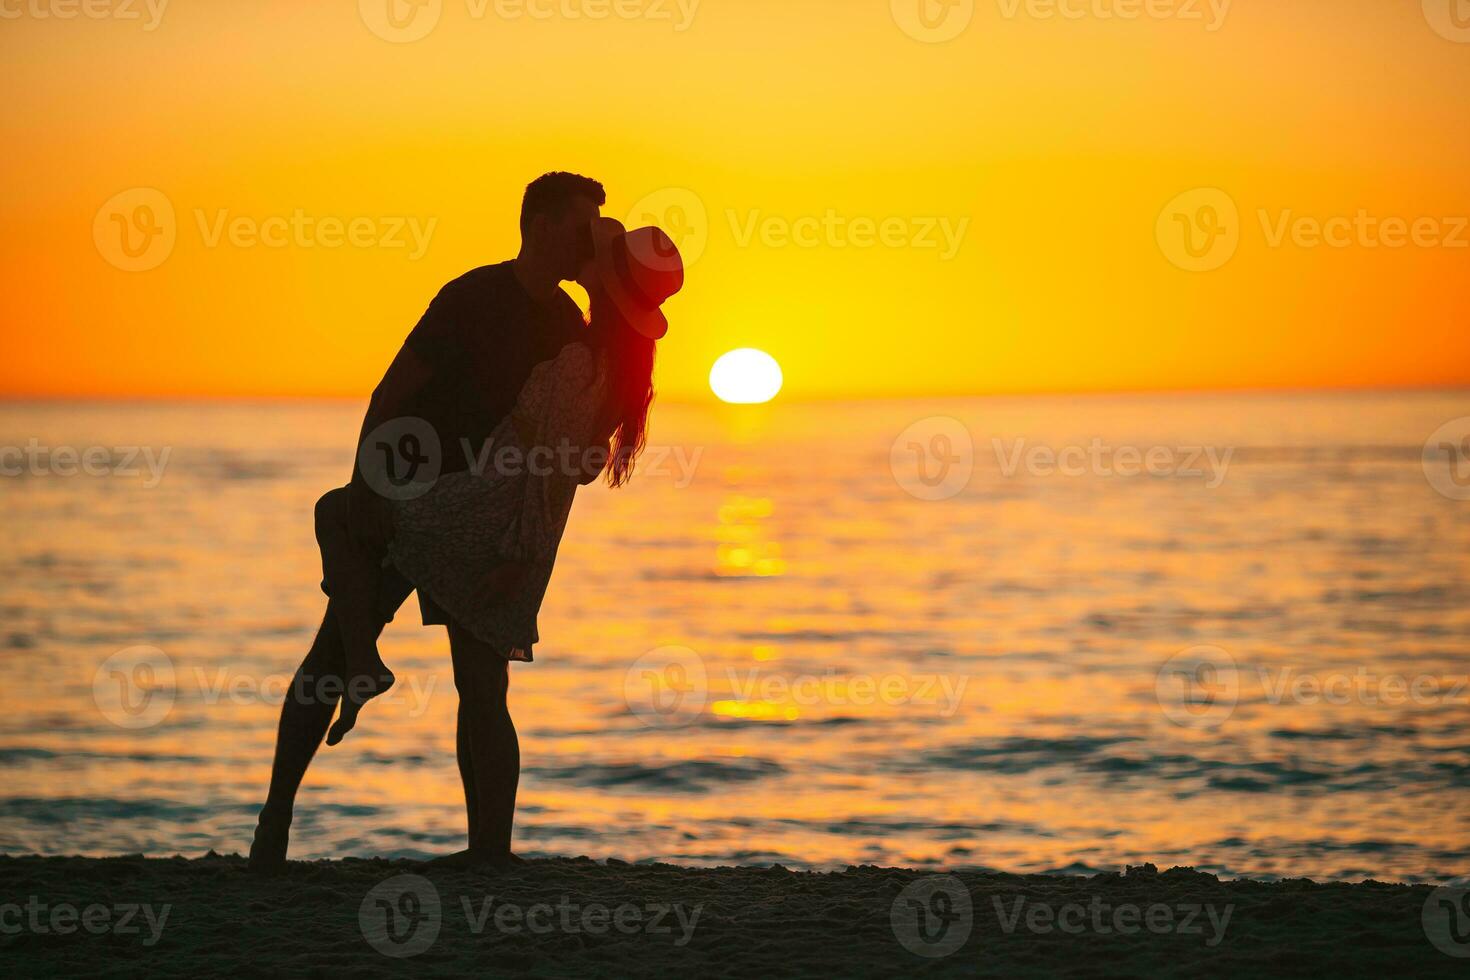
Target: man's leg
[
  {"x": 489, "y": 751},
  {"x": 465, "y": 756}
]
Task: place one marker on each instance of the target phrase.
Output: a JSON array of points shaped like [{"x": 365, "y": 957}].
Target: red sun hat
[{"x": 640, "y": 269}]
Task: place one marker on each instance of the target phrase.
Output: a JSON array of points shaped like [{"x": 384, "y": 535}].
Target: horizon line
[{"x": 709, "y": 398}]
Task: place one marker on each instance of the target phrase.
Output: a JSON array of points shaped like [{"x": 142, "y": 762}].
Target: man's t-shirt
[{"x": 481, "y": 336}]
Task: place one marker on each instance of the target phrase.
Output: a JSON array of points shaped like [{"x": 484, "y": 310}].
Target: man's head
[{"x": 556, "y": 220}]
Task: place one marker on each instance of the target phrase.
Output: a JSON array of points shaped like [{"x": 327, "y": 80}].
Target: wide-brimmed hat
[{"x": 640, "y": 269}]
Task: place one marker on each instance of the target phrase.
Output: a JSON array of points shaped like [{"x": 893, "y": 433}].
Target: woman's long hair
[{"x": 630, "y": 357}]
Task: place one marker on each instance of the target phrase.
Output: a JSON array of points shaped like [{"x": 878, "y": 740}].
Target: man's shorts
[
  {"x": 393, "y": 589},
  {"x": 393, "y": 592}
]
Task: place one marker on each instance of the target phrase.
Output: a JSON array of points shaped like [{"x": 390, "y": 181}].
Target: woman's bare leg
[{"x": 354, "y": 574}]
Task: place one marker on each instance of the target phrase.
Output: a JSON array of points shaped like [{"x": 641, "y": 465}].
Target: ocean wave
[
  {"x": 1191, "y": 774},
  {"x": 692, "y": 776}
]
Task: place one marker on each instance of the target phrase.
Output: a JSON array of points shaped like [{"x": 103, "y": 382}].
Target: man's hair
[{"x": 551, "y": 194}]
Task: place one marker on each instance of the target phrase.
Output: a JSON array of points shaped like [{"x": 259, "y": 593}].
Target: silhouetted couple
[{"x": 501, "y": 403}]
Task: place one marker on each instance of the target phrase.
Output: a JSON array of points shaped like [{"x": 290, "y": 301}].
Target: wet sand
[{"x": 131, "y": 916}]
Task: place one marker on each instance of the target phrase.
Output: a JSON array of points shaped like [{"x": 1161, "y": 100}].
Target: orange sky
[{"x": 883, "y": 214}]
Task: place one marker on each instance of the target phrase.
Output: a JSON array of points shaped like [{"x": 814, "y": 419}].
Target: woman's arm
[
  {"x": 552, "y": 422},
  {"x": 556, "y": 456}
]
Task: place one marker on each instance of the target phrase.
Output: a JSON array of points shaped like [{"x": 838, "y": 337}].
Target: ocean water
[{"x": 775, "y": 647}]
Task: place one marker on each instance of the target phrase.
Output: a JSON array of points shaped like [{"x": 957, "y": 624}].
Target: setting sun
[{"x": 746, "y": 377}]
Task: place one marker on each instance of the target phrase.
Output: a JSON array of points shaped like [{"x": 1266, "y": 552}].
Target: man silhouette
[{"x": 460, "y": 371}]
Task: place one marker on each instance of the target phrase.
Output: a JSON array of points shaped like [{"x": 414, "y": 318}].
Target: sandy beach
[{"x": 131, "y": 916}]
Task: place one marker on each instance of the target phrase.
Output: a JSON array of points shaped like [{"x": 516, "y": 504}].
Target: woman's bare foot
[{"x": 361, "y": 689}]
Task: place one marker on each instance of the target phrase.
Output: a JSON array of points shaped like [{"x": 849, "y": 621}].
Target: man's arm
[
  {"x": 405, "y": 378},
  {"x": 430, "y": 342}
]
